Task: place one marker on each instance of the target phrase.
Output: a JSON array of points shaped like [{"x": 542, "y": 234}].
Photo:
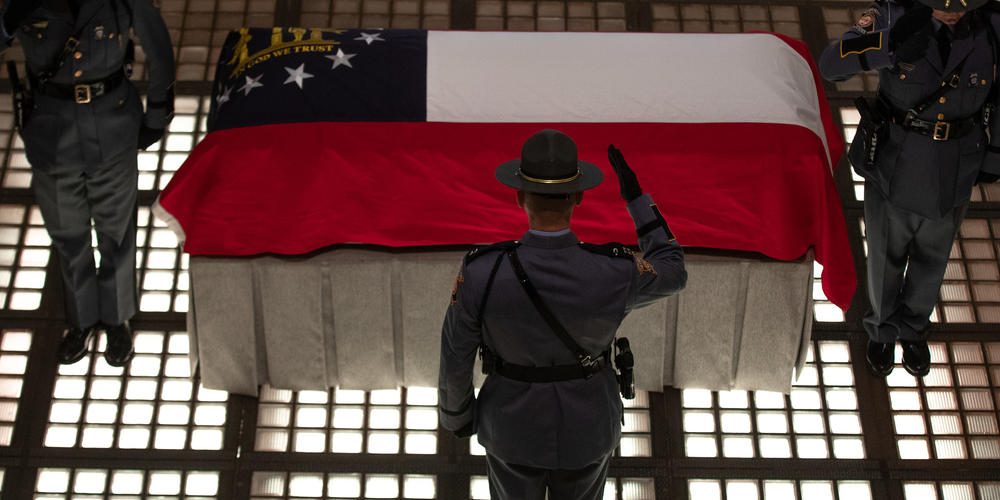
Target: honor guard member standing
[
  {"x": 544, "y": 310},
  {"x": 81, "y": 122},
  {"x": 923, "y": 143}
]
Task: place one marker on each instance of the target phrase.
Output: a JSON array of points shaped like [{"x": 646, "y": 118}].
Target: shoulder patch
[
  {"x": 866, "y": 21},
  {"x": 454, "y": 291},
  {"x": 479, "y": 252},
  {"x": 643, "y": 265}
]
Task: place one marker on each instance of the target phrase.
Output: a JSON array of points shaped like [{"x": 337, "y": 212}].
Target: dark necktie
[{"x": 944, "y": 43}]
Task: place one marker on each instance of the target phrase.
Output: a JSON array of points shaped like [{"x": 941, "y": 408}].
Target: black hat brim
[
  {"x": 590, "y": 176},
  {"x": 954, "y": 5}
]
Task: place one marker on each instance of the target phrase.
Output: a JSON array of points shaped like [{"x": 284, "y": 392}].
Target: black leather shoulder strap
[
  {"x": 560, "y": 331},
  {"x": 69, "y": 47},
  {"x": 609, "y": 250},
  {"x": 475, "y": 253},
  {"x": 478, "y": 252}
]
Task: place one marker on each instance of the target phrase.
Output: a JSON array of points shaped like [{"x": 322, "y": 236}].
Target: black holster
[
  {"x": 23, "y": 99},
  {"x": 872, "y": 131},
  {"x": 624, "y": 362},
  {"x": 129, "y": 58},
  {"x": 488, "y": 359}
]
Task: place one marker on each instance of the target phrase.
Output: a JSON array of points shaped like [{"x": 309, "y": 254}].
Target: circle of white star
[
  {"x": 370, "y": 37},
  {"x": 297, "y": 75},
  {"x": 341, "y": 59},
  {"x": 251, "y": 84},
  {"x": 224, "y": 96}
]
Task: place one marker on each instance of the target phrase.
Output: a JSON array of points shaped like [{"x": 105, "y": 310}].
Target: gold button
[
  {"x": 111, "y": 35},
  {"x": 940, "y": 116},
  {"x": 78, "y": 73},
  {"x": 77, "y": 55},
  {"x": 983, "y": 82},
  {"x": 902, "y": 77},
  {"x": 942, "y": 100}
]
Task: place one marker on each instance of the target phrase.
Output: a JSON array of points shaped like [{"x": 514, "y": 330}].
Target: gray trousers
[
  {"x": 520, "y": 482},
  {"x": 907, "y": 258},
  {"x": 69, "y": 199}
]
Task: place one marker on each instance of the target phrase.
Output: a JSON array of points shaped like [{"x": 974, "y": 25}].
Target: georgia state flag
[{"x": 391, "y": 137}]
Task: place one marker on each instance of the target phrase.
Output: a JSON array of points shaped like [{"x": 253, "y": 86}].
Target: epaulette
[
  {"x": 609, "y": 250},
  {"x": 478, "y": 252}
]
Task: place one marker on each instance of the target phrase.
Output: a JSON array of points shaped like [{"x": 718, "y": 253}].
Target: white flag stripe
[{"x": 508, "y": 77}]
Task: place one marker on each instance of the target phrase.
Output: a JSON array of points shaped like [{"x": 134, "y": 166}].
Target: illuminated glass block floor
[
  {"x": 952, "y": 413},
  {"x": 81, "y": 426},
  {"x": 93, "y": 483},
  {"x": 820, "y": 419},
  {"x": 153, "y": 404},
  {"x": 346, "y": 421},
  {"x": 778, "y": 489}
]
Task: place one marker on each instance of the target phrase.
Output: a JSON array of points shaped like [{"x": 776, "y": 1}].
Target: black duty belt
[
  {"x": 558, "y": 373},
  {"x": 84, "y": 92},
  {"x": 939, "y": 130}
]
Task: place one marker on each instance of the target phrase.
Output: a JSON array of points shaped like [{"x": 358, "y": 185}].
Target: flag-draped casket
[{"x": 390, "y": 137}]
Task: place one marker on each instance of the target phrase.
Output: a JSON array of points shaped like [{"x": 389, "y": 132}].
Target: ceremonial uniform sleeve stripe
[{"x": 861, "y": 44}]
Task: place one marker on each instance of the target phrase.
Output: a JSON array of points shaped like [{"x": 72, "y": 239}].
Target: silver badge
[
  {"x": 974, "y": 80},
  {"x": 99, "y": 32}
]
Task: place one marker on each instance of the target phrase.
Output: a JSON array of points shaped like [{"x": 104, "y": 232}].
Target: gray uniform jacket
[
  {"x": 555, "y": 425},
  {"x": 913, "y": 171},
  {"x": 61, "y": 132}
]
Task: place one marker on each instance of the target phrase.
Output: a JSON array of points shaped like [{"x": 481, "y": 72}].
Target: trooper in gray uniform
[
  {"x": 83, "y": 121},
  {"x": 937, "y": 97},
  {"x": 550, "y": 417}
]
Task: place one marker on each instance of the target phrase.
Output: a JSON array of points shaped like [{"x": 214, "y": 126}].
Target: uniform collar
[{"x": 567, "y": 239}]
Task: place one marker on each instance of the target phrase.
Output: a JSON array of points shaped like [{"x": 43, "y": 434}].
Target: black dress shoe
[
  {"x": 880, "y": 357},
  {"x": 74, "y": 345},
  {"x": 916, "y": 358},
  {"x": 119, "y": 349}
]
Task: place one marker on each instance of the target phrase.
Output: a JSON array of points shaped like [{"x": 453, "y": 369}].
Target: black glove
[
  {"x": 17, "y": 12},
  {"x": 986, "y": 178},
  {"x": 466, "y": 430},
  {"x": 147, "y": 136},
  {"x": 911, "y": 35},
  {"x": 626, "y": 177}
]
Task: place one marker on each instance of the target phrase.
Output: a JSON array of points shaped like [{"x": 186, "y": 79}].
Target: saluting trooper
[
  {"x": 546, "y": 419},
  {"x": 937, "y": 84},
  {"x": 80, "y": 136}
]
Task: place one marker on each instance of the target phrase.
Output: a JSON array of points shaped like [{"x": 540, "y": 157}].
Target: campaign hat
[
  {"x": 954, "y": 5},
  {"x": 549, "y": 165}
]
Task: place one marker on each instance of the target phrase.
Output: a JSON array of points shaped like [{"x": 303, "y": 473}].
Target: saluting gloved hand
[
  {"x": 626, "y": 177},
  {"x": 147, "y": 136},
  {"x": 911, "y": 35},
  {"x": 466, "y": 430}
]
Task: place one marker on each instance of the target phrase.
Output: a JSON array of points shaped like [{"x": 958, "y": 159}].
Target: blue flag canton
[{"x": 291, "y": 75}]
